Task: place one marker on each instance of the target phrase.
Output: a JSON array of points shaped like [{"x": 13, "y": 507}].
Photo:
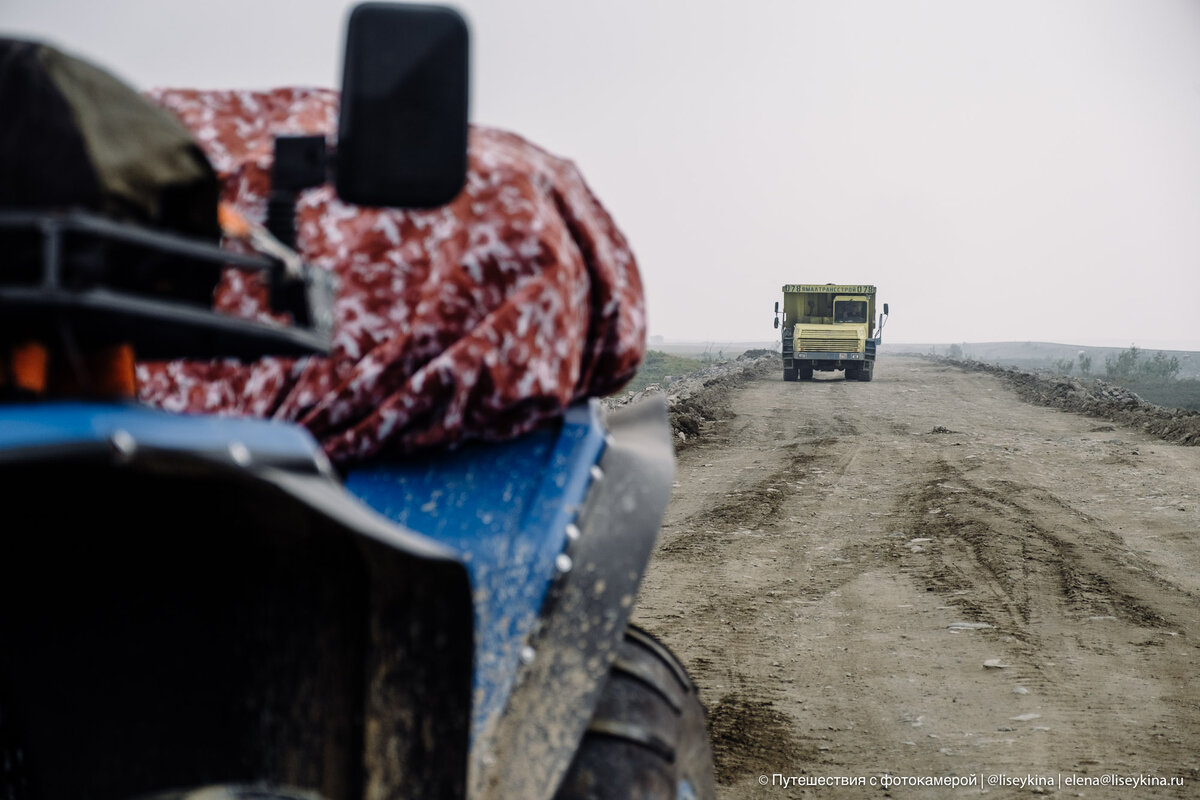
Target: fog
[{"x": 1018, "y": 170}]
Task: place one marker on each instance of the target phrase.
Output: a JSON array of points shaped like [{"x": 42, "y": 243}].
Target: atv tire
[{"x": 647, "y": 739}]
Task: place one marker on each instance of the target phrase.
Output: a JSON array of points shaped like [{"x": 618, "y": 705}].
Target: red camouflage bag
[{"x": 478, "y": 320}]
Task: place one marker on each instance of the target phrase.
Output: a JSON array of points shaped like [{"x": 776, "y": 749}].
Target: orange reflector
[
  {"x": 112, "y": 371},
  {"x": 108, "y": 371},
  {"x": 29, "y": 361}
]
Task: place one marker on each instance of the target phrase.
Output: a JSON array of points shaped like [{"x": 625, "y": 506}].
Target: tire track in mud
[
  {"x": 757, "y": 506},
  {"x": 994, "y": 538},
  {"x": 750, "y": 732},
  {"x": 776, "y": 524},
  {"x": 765, "y": 511},
  {"x": 1055, "y": 592}
]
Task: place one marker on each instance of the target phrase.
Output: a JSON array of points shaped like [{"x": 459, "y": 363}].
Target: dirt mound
[
  {"x": 700, "y": 398},
  {"x": 1094, "y": 397}
]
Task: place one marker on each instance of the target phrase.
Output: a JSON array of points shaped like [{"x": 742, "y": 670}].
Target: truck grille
[{"x": 826, "y": 341}]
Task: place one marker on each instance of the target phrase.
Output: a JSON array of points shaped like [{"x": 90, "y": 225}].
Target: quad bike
[{"x": 200, "y": 606}]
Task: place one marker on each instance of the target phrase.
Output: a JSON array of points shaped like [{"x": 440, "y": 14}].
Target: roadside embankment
[
  {"x": 1093, "y": 397},
  {"x": 702, "y": 397}
]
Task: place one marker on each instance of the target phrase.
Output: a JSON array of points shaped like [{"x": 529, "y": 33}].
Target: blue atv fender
[{"x": 556, "y": 530}]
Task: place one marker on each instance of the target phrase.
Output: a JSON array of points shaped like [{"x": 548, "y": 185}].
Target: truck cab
[{"x": 827, "y": 327}]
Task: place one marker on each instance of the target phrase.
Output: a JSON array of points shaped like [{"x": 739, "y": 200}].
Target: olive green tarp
[{"x": 73, "y": 136}]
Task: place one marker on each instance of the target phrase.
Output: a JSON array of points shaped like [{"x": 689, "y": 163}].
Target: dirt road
[{"x": 924, "y": 576}]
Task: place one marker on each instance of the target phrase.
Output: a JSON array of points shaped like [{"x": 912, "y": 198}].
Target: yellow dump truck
[{"x": 828, "y": 327}]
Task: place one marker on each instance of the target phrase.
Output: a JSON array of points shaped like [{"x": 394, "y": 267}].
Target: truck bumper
[{"x": 825, "y": 360}]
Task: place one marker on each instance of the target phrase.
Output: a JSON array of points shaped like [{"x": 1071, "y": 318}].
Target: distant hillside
[
  {"x": 1048, "y": 356},
  {"x": 1041, "y": 355},
  {"x": 710, "y": 350}
]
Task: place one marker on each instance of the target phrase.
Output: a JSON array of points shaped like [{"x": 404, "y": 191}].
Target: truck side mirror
[
  {"x": 402, "y": 129},
  {"x": 777, "y": 322},
  {"x": 885, "y": 311},
  {"x": 776, "y": 306}
]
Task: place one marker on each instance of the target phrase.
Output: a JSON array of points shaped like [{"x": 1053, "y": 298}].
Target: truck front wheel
[
  {"x": 647, "y": 739},
  {"x": 805, "y": 373},
  {"x": 789, "y": 374},
  {"x": 866, "y": 372}
]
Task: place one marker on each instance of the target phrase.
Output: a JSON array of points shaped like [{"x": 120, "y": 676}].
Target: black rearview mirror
[
  {"x": 777, "y": 322},
  {"x": 402, "y": 130},
  {"x": 776, "y": 306},
  {"x": 885, "y": 311}
]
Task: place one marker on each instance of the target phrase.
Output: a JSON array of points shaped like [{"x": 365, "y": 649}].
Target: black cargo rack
[{"x": 100, "y": 281}]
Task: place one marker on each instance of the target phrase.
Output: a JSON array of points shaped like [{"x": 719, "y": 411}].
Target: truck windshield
[{"x": 850, "y": 311}]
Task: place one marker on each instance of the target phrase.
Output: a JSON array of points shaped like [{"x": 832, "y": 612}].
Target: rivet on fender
[
  {"x": 123, "y": 444},
  {"x": 239, "y": 453}
]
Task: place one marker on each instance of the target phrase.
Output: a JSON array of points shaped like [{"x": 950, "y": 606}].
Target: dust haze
[{"x": 1001, "y": 171}]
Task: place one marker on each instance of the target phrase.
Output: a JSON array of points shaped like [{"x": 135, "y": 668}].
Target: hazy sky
[{"x": 1005, "y": 170}]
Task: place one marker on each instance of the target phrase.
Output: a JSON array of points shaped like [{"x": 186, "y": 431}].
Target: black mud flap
[
  {"x": 173, "y": 621},
  {"x": 528, "y": 752}
]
